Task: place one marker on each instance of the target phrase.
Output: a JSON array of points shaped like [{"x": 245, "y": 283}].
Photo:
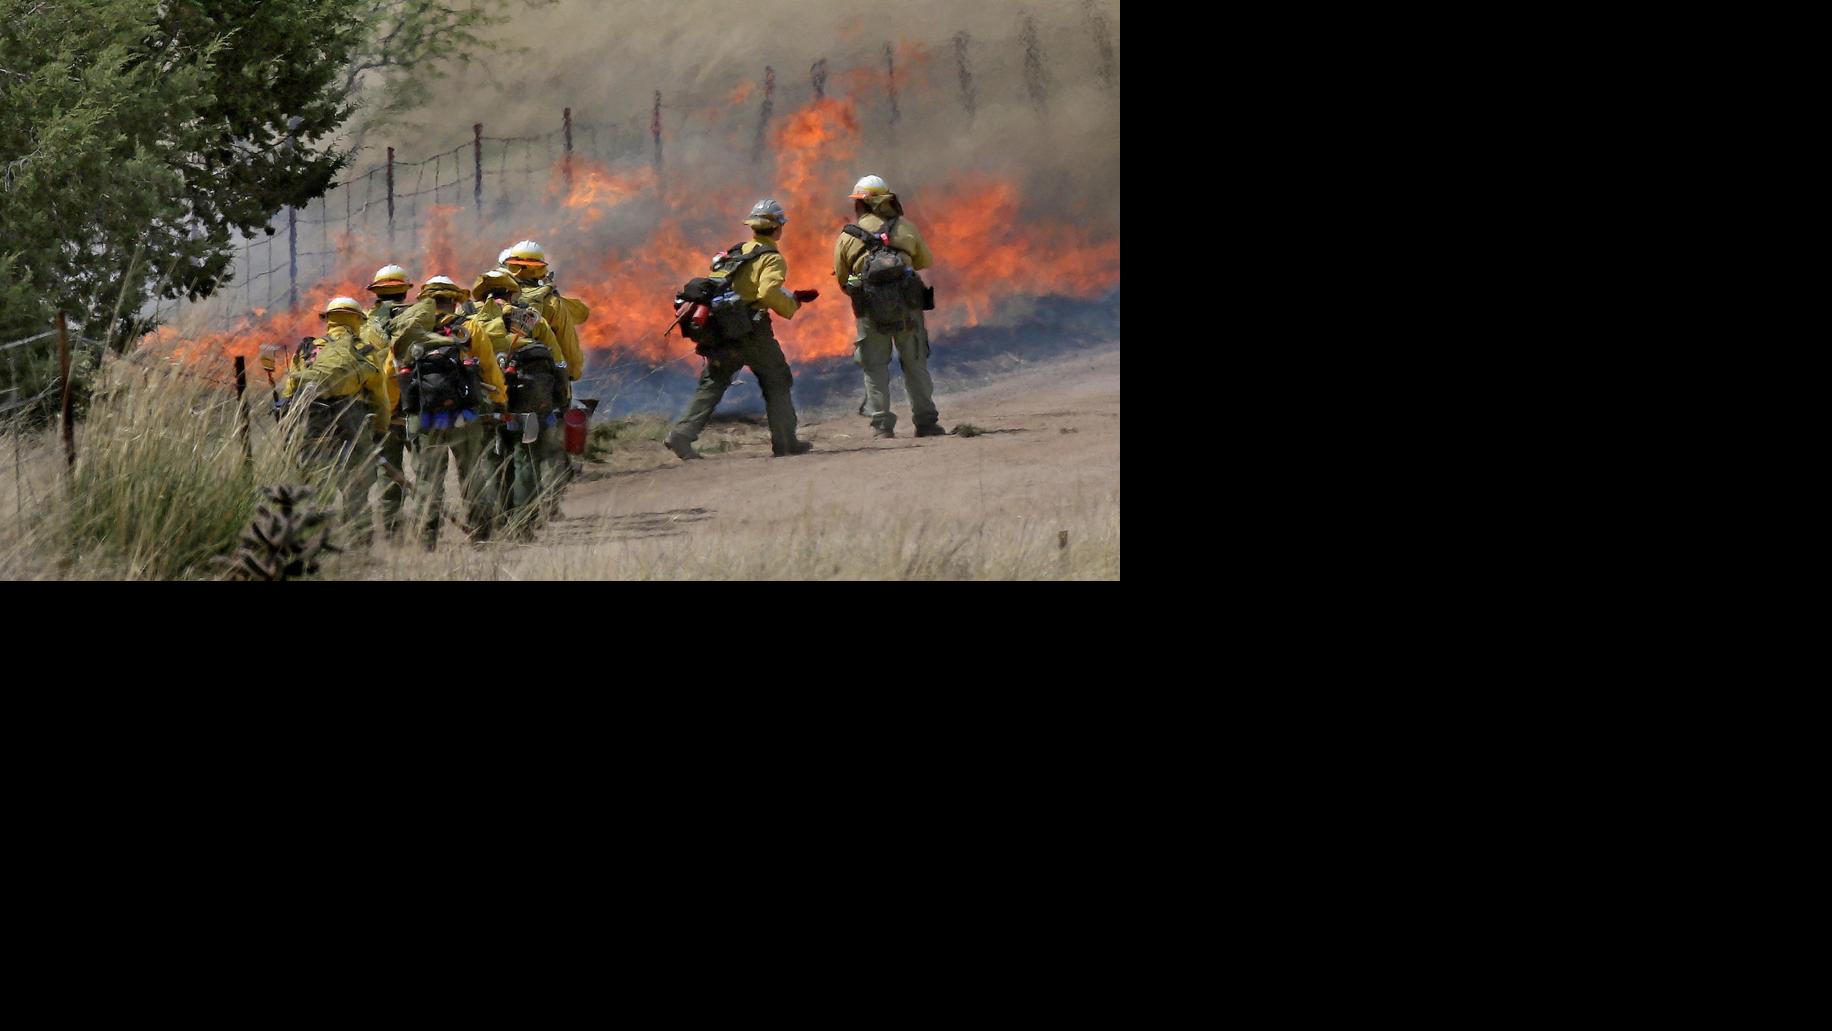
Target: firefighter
[
  {"x": 343, "y": 381},
  {"x": 452, "y": 386},
  {"x": 527, "y": 261},
  {"x": 530, "y": 449},
  {"x": 389, "y": 285},
  {"x": 758, "y": 281},
  {"x": 888, "y": 300}
]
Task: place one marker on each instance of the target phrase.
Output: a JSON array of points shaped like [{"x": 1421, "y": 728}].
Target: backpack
[
  {"x": 341, "y": 416},
  {"x": 889, "y": 290},
  {"x": 307, "y": 351},
  {"x": 536, "y": 383},
  {"x": 440, "y": 380},
  {"x": 731, "y": 316}
]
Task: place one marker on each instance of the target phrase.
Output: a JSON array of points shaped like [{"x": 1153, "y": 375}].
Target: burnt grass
[{"x": 1051, "y": 327}]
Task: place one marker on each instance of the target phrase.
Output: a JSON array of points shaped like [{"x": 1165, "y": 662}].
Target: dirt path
[{"x": 1051, "y": 439}]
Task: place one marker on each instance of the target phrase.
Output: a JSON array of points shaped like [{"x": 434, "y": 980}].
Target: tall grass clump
[{"x": 161, "y": 488}]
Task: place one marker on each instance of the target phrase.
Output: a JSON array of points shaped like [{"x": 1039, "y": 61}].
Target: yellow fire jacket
[
  {"x": 563, "y": 316},
  {"x": 849, "y": 253},
  {"x": 345, "y": 366},
  {"x": 760, "y": 281}
]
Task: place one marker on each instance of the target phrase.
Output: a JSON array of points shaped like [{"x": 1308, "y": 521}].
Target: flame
[{"x": 623, "y": 239}]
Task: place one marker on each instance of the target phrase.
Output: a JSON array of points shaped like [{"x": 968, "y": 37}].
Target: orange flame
[{"x": 624, "y": 239}]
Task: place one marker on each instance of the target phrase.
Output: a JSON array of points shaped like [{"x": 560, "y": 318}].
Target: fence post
[
  {"x": 968, "y": 98},
  {"x": 477, "y": 160},
  {"x": 18, "y": 463},
  {"x": 890, "y": 79},
  {"x": 1035, "y": 78},
  {"x": 655, "y": 128},
  {"x": 390, "y": 203},
  {"x": 63, "y": 372},
  {"x": 566, "y": 117},
  {"x": 241, "y": 406},
  {"x": 292, "y": 257},
  {"x": 763, "y": 117}
]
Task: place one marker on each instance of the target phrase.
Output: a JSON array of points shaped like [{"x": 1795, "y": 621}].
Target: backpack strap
[
  {"x": 735, "y": 260},
  {"x": 870, "y": 239}
]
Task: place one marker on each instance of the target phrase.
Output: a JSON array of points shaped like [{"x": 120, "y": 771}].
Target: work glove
[{"x": 804, "y": 296}]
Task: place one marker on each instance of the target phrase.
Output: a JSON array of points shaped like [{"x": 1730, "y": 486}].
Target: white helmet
[
  {"x": 870, "y": 188},
  {"x": 525, "y": 253},
  {"x": 441, "y": 285},
  {"x": 389, "y": 277},
  {"x": 343, "y": 304},
  {"x": 503, "y": 258}
]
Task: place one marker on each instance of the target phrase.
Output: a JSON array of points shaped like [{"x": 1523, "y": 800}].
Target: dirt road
[{"x": 1049, "y": 443}]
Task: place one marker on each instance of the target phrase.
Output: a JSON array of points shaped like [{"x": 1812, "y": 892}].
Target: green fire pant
[
  {"x": 531, "y": 469},
  {"x": 394, "y": 449},
  {"x": 872, "y": 350},
  {"x": 433, "y": 451},
  {"x": 763, "y": 354},
  {"x": 341, "y": 460}
]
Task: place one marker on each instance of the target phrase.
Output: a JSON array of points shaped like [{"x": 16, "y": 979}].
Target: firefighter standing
[
  {"x": 893, "y": 319},
  {"x": 343, "y": 380},
  {"x": 390, "y": 286},
  {"x": 450, "y": 416},
  {"x": 529, "y": 354},
  {"x": 527, "y": 260}
]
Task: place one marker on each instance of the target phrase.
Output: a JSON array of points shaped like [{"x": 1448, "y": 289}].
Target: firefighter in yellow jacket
[
  {"x": 757, "y": 279},
  {"x": 531, "y": 451},
  {"x": 564, "y": 315},
  {"x": 343, "y": 382},
  {"x": 888, "y": 300},
  {"x": 389, "y": 285},
  {"x": 451, "y": 386}
]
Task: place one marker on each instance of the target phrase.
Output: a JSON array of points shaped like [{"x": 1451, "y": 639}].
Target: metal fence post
[
  {"x": 655, "y": 128},
  {"x": 63, "y": 372},
  {"x": 390, "y": 203},
  {"x": 292, "y": 257}
]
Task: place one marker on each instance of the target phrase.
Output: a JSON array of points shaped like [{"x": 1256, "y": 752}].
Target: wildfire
[{"x": 623, "y": 239}]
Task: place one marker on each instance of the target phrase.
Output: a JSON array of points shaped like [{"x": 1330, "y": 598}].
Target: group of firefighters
[{"x": 483, "y": 377}]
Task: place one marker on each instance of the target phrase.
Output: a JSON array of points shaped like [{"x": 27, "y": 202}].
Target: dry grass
[
  {"x": 832, "y": 545},
  {"x": 161, "y": 490},
  {"x": 162, "y": 486}
]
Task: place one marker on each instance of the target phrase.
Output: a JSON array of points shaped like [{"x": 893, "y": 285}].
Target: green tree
[{"x": 137, "y": 140}]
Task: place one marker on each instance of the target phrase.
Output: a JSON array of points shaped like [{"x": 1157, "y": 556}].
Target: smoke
[
  {"x": 943, "y": 87},
  {"x": 997, "y": 125}
]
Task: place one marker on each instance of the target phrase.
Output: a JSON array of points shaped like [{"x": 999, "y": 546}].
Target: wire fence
[{"x": 488, "y": 172}]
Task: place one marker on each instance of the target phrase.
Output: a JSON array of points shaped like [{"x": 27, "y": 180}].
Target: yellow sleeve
[
  {"x": 772, "y": 272},
  {"x": 483, "y": 348},
  {"x": 377, "y": 384},
  {"x": 391, "y": 383},
  {"x": 568, "y": 341},
  {"x": 920, "y": 258},
  {"x": 845, "y": 252},
  {"x": 560, "y": 325}
]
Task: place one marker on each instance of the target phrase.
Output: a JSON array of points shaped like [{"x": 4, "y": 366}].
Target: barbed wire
[{"x": 689, "y": 115}]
